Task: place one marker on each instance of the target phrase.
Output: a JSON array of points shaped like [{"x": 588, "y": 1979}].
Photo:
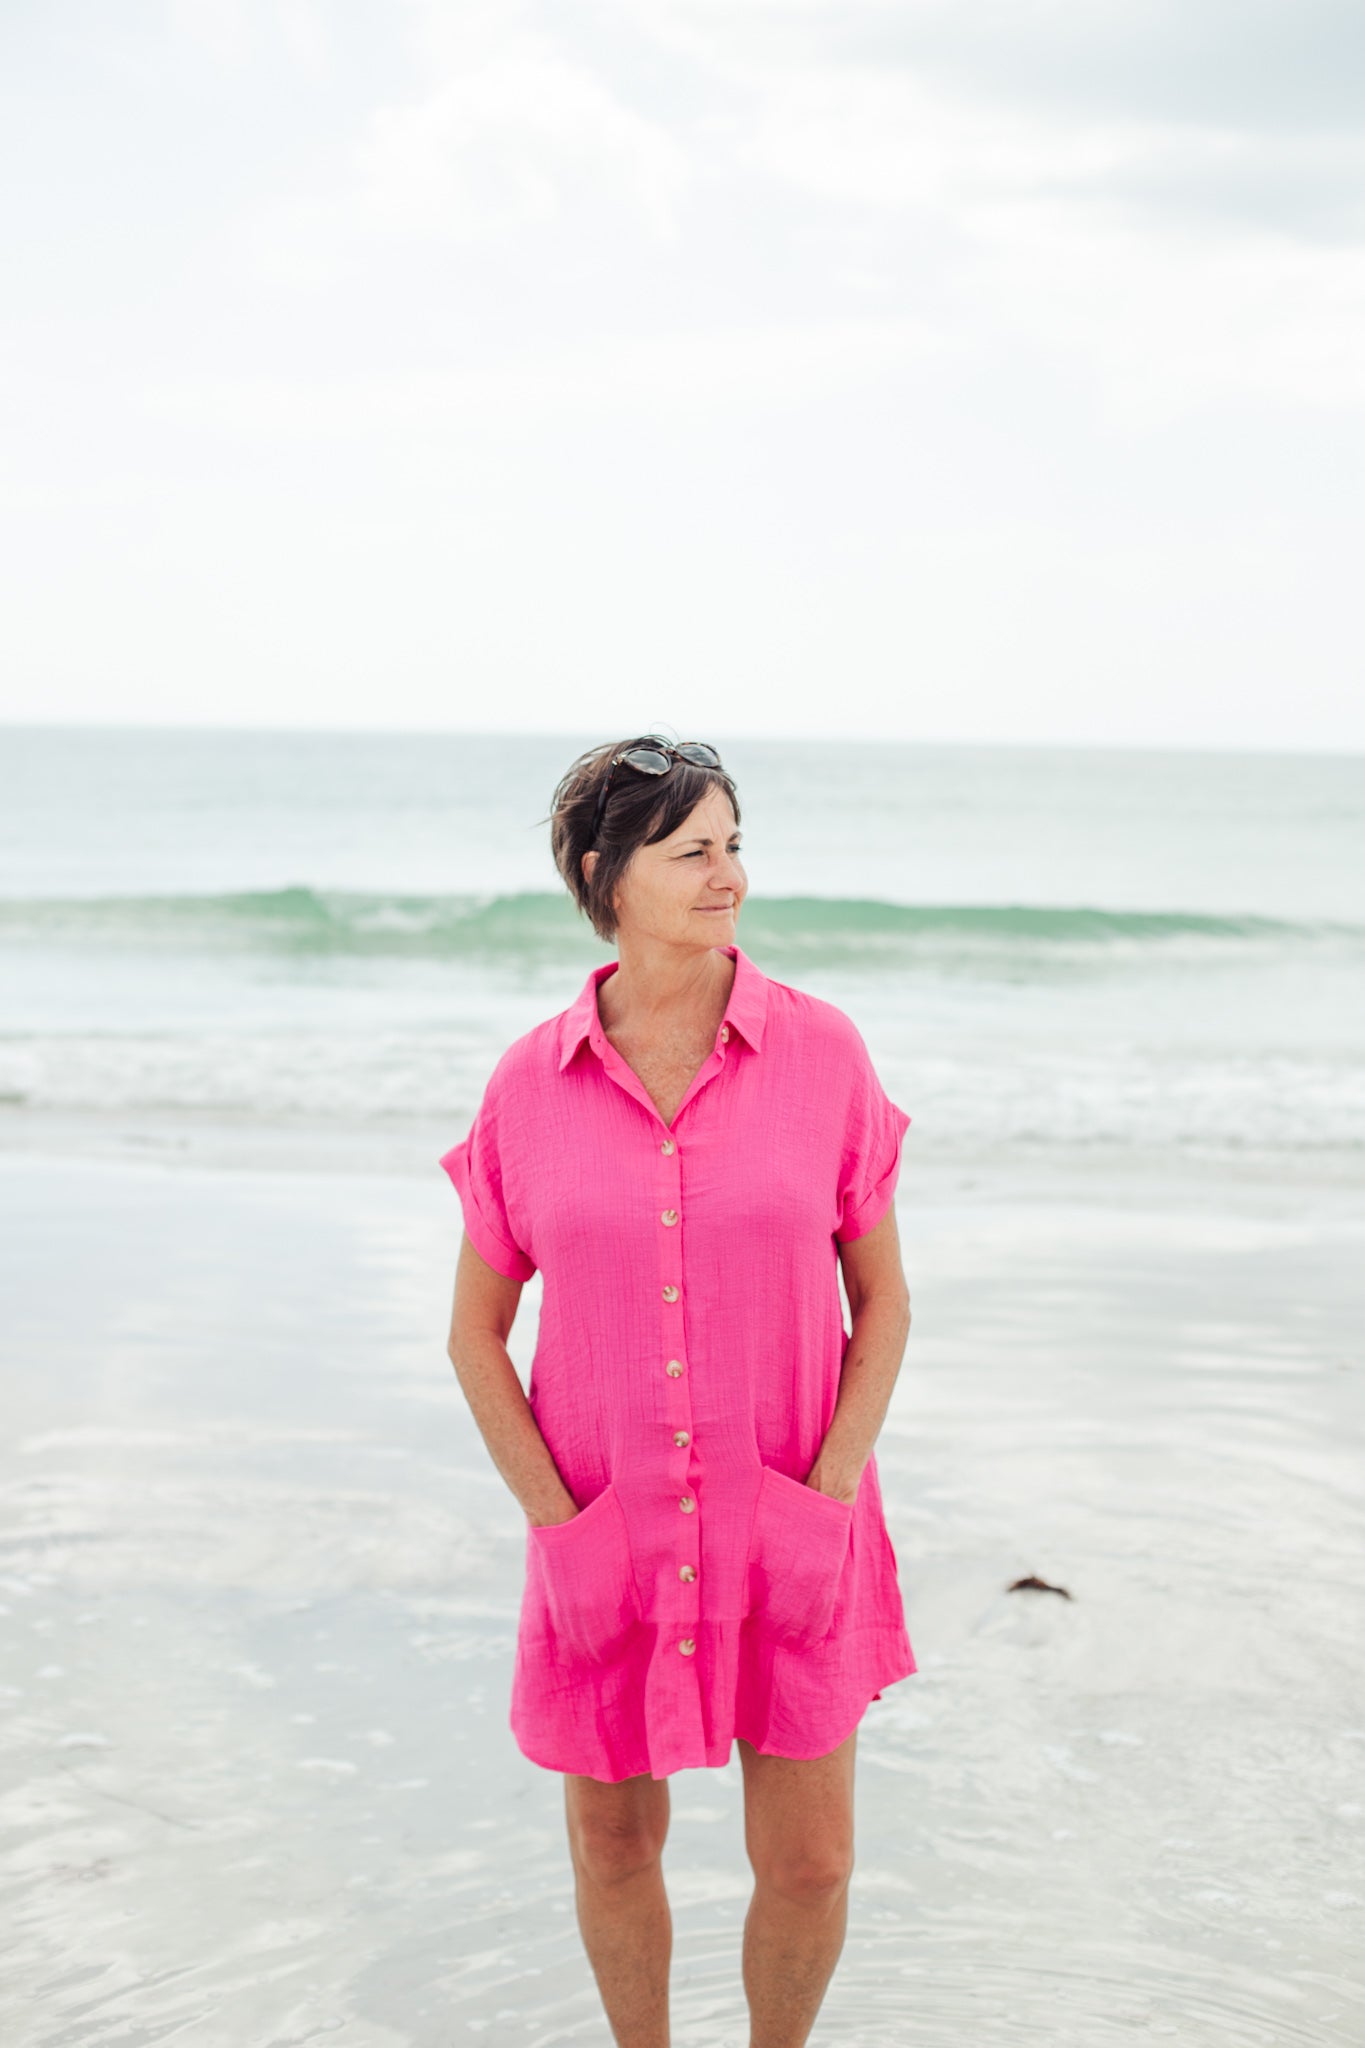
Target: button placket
[{"x": 682, "y": 1499}]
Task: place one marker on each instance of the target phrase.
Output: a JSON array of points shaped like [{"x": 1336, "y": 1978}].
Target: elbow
[
  {"x": 891, "y": 1300},
  {"x": 469, "y": 1347}
]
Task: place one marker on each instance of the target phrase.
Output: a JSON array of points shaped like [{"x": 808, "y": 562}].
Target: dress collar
[{"x": 744, "y": 1012}]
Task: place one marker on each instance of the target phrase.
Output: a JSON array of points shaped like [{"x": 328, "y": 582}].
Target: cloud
[
  {"x": 893, "y": 140},
  {"x": 1163, "y": 329},
  {"x": 707, "y": 368},
  {"x": 889, "y": 141},
  {"x": 1307, "y": 190},
  {"x": 506, "y": 133},
  {"x": 1240, "y": 116},
  {"x": 510, "y": 140},
  {"x": 1239, "y": 66},
  {"x": 219, "y": 28}
]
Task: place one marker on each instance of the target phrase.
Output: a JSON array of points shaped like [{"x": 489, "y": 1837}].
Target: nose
[{"x": 730, "y": 878}]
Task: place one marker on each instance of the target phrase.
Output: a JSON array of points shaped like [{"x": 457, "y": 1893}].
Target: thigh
[{"x": 798, "y": 1812}]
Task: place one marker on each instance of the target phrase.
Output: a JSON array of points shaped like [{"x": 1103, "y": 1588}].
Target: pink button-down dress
[{"x": 685, "y": 1374}]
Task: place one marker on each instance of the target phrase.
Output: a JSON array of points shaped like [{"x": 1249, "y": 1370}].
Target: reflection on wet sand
[{"x": 260, "y": 1591}]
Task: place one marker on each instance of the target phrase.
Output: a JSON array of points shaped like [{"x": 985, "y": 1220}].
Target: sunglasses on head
[{"x": 655, "y": 759}]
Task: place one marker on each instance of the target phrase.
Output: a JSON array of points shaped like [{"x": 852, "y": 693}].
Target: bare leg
[
  {"x": 798, "y": 1830},
  {"x": 616, "y": 1841}
]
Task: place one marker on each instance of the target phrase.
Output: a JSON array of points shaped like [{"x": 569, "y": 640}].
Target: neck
[{"x": 656, "y": 987}]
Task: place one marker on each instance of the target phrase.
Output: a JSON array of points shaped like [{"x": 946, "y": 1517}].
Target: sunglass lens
[
  {"x": 645, "y": 759},
  {"x": 702, "y": 756}
]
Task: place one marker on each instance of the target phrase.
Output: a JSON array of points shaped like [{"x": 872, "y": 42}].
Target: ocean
[
  {"x": 260, "y": 1579},
  {"x": 1049, "y": 952}
]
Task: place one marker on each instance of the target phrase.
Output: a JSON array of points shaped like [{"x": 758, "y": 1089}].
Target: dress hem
[{"x": 660, "y": 1777}]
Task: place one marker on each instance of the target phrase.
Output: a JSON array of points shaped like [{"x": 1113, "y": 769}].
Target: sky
[{"x": 979, "y": 370}]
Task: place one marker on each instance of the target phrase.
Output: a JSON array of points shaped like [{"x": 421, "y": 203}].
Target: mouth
[{"x": 714, "y": 909}]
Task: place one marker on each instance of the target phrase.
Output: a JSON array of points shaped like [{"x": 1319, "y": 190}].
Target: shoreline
[{"x": 212, "y": 1142}]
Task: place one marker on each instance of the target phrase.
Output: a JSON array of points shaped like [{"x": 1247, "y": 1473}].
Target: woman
[{"x": 686, "y": 1154}]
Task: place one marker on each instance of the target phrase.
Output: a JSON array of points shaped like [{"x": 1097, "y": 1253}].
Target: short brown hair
[{"x": 641, "y": 810}]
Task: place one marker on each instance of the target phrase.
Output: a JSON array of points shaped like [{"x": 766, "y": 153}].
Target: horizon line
[{"x": 1245, "y": 749}]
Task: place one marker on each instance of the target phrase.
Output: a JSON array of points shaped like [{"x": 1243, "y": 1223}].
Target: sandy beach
[{"x": 260, "y": 1597}]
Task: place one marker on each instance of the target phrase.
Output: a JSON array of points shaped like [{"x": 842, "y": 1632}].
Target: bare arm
[
  {"x": 481, "y": 1321},
  {"x": 879, "y": 1301}
]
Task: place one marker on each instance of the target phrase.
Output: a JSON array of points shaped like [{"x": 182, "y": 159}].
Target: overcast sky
[{"x": 941, "y": 369}]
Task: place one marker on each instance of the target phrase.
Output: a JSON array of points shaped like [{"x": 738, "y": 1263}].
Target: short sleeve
[
  {"x": 871, "y": 1163},
  {"x": 475, "y": 1167}
]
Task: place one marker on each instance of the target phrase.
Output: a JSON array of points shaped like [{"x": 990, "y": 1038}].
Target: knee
[
  {"x": 817, "y": 1876},
  {"x": 609, "y": 1853}
]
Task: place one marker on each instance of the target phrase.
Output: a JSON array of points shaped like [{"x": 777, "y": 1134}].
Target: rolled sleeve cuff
[
  {"x": 870, "y": 1210},
  {"x": 492, "y": 1247}
]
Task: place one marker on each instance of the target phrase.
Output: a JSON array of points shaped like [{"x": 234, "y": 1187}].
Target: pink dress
[{"x": 685, "y": 1373}]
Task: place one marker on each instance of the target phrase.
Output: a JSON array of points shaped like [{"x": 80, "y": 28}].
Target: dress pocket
[
  {"x": 797, "y": 1553},
  {"x": 588, "y": 1576}
]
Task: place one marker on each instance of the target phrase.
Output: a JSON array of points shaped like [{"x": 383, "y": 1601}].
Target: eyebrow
[{"x": 736, "y": 834}]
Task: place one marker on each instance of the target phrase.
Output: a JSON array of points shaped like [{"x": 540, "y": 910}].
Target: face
[{"x": 687, "y": 889}]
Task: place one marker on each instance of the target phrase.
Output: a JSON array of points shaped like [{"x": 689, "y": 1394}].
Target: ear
[{"x": 590, "y": 856}]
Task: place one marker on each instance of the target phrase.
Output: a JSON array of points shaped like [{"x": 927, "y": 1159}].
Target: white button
[
  {"x": 725, "y": 1031},
  {"x": 681, "y": 1437},
  {"x": 687, "y": 1646},
  {"x": 674, "y": 1368},
  {"x": 668, "y": 1146},
  {"x": 670, "y": 1217},
  {"x": 687, "y": 1504},
  {"x": 688, "y": 1572},
  {"x": 670, "y": 1294}
]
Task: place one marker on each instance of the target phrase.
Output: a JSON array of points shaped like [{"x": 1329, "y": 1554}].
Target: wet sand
[{"x": 260, "y": 1588}]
